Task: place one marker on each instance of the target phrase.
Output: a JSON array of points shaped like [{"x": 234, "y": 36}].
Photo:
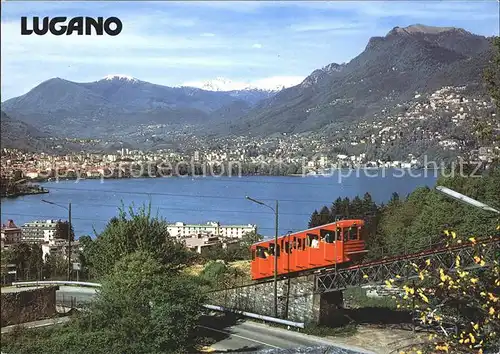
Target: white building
[
  {"x": 39, "y": 231},
  {"x": 180, "y": 229},
  {"x": 201, "y": 243},
  {"x": 60, "y": 247}
]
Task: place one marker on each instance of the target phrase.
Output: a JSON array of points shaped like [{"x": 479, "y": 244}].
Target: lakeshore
[
  {"x": 20, "y": 194},
  {"x": 341, "y": 171},
  {"x": 19, "y": 190}
]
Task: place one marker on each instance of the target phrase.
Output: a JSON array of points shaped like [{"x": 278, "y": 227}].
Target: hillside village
[{"x": 436, "y": 127}]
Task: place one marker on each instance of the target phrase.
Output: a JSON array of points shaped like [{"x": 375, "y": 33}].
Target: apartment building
[
  {"x": 180, "y": 229},
  {"x": 39, "y": 231}
]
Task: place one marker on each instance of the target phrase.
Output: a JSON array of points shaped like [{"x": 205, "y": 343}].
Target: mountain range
[
  {"x": 69, "y": 108},
  {"x": 19, "y": 135},
  {"x": 390, "y": 71}
]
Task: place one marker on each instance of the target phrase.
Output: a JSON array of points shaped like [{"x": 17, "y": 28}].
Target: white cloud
[
  {"x": 173, "y": 42},
  {"x": 327, "y": 24},
  {"x": 228, "y": 5}
]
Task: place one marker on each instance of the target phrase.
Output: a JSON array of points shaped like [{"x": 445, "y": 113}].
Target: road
[
  {"x": 232, "y": 334},
  {"x": 38, "y": 324},
  {"x": 78, "y": 295}
]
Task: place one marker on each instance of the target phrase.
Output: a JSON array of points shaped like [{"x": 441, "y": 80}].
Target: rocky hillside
[
  {"x": 19, "y": 135},
  {"x": 390, "y": 71}
]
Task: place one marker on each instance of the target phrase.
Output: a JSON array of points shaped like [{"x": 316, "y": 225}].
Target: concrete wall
[
  {"x": 296, "y": 300},
  {"x": 19, "y": 305}
]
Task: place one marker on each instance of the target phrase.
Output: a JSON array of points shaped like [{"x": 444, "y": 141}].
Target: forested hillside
[{"x": 413, "y": 222}]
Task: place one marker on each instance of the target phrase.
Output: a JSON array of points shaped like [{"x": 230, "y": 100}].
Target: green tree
[
  {"x": 324, "y": 216},
  {"x": 137, "y": 231},
  {"x": 28, "y": 260},
  {"x": 141, "y": 308},
  {"x": 336, "y": 209},
  {"x": 369, "y": 206},
  {"x": 356, "y": 208},
  {"x": 416, "y": 223},
  {"x": 315, "y": 220},
  {"x": 61, "y": 231},
  {"x": 394, "y": 199},
  {"x": 150, "y": 309},
  {"x": 468, "y": 299},
  {"x": 250, "y": 238},
  {"x": 54, "y": 267},
  {"x": 345, "y": 211}
]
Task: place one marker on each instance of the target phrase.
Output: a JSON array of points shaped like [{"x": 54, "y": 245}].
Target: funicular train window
[
  {"x": 271, "y": 249},
  {"x": 278, "y": 250},
  {"x": 326, "y": 235},
  {"x": 253, "y": 254},
  {"x": 345, "y": 233},
  {"x": 299, "y": 244},
  {"x": 353, "y": 233},
  {"x": 312, "y": 240},
  {"x": 288, "y": 249},
  {"x": 294, "y": 243},
  {"x": 261, "y": 252}
]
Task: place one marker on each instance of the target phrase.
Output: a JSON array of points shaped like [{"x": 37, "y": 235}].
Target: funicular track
[
  {"x": 369, "y": 273},
  {"x": 402, "y": 266}
]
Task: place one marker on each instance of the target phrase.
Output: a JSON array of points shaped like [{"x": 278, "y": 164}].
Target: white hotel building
[
  {"x": 180, "y": 229},
  {"x": 39, "y": 231}
]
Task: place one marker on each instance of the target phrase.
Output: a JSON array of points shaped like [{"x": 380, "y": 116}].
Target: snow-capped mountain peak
[
  {"x": 220, "y": 84},
  {"x": 119, "y": 77},
  {"x": 271, "y": 84}
]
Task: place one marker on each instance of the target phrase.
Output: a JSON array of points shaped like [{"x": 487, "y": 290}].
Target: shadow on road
[
  {"x": 215, "y": 327},
  {"x": 368, "y": 315}
]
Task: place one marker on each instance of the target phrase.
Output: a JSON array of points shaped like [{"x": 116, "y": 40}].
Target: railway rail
[{"x": 402, "y": 266}]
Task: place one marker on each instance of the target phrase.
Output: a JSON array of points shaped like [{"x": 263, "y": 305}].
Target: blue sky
[{"x": 173, "y": 43}]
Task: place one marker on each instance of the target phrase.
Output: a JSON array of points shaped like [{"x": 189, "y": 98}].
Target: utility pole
[
  {"x": 276, "y": 261},
  {"x": 275, "y": 210},
  {"x": 69, "y": 242},
  {"x": 68, "y": 208}
]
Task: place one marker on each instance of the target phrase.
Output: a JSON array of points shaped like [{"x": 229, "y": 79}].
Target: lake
[{"x": 203, "y": 199}]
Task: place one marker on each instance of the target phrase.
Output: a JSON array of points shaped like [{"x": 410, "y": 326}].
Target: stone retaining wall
[
  {"x": 296, "y": 300},
  {"x": 20, "y": 306}
]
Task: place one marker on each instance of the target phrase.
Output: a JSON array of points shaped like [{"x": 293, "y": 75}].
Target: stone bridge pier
[{"x": 296, "y": 300}]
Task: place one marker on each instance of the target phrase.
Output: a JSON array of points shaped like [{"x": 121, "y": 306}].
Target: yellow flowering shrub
[{"x": 461, "y": 306}]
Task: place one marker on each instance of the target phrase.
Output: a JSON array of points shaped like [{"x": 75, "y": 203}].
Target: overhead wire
[{"x": 154, "y": 206}]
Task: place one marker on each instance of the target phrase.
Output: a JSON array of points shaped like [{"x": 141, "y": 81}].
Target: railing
[
  {"x": 72, "y": 302},
  {"x": 401, "y": 266},
  {"x": 257, "y": 316},
  {"x": 56, "y": 282}
]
